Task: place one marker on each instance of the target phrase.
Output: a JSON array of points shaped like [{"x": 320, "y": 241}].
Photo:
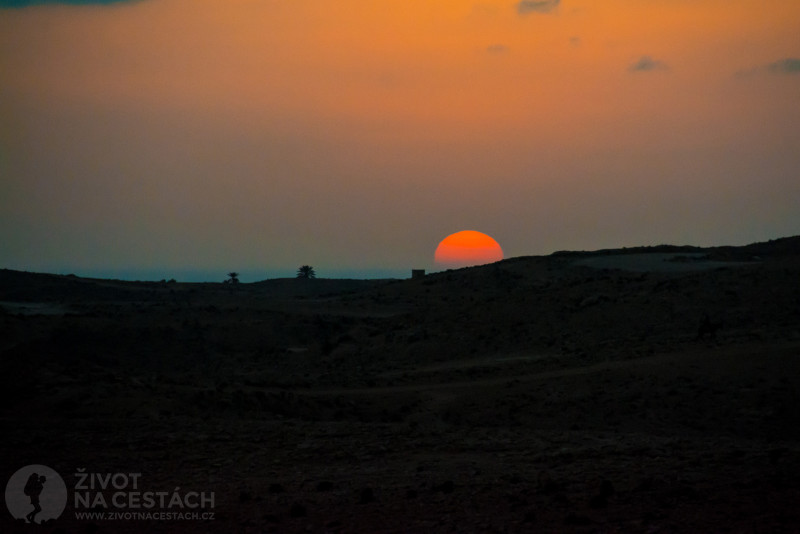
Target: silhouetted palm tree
[
  {"x": 233, "y": 278},
  {"x": 306, "y": 271}
]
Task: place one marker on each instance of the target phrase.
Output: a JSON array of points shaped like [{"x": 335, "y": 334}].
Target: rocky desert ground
[{"x": 652, "y": 389}]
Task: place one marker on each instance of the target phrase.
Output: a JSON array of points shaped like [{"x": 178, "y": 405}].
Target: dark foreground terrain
[{"x": 639, "y": 390}]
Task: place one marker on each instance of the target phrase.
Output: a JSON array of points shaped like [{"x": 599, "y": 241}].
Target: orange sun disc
[{"x": 467, "y": 248}]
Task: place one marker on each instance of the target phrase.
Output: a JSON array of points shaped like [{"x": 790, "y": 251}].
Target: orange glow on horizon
[
  {"x": 247, "y": 134},
  {"x": 467, "y": 248}
]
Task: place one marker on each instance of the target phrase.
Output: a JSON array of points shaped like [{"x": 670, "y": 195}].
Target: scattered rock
[
  {"x": 530, "y": 517},
  {"x": 325, "y": 485},
  {"x": 577, "y": 520},
  {"x": 297, "y": 510},
  {"x": 645, "y": 484},
  {"x": 445, "y": 487},
  {"x": 600, "y": 499},
  {"x": 334, "y": 526},
  {"x": 548, "y": 486},
  {"x": 366, "y": 496}
]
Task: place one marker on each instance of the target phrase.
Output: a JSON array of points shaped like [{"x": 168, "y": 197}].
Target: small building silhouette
[{"x": 417, "y": 273}]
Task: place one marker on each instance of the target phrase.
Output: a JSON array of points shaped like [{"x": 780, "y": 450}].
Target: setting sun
[{"x": 467, "y": 248}]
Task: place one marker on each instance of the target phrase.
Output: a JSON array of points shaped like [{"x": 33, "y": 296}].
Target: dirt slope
[{"x": 541, "y": 394}]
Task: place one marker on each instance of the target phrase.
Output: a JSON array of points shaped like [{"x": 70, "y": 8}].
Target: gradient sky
[{"x": 163, "y": 136}]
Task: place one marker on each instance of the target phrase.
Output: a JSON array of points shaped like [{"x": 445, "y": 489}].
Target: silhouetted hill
[
  {"x": 649, "y": 389},
  {"x": 22, "y": 286},
  {"x": 782, "y": 246},
  {"x": 630, "y": 250},
  {"x": 315, "y": 286},
  {"x": 25, "y": 286},
  {"x": 30, "y": 286}
]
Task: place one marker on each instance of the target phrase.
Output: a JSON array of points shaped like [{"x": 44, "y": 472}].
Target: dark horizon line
[{"x": 790, "y": 243}]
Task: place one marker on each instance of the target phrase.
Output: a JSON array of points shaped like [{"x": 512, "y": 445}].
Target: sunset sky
[{"x": 171, "y": 138}]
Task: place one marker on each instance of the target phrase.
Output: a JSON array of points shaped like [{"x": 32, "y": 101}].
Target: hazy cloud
[
  {"x": 785, "y": 66},
  {"x": 536, "y": 6},
  {"x": 497, "y": 49},
  {"x": 646, "y": 64},
  {"x": 26, "y": 3}
]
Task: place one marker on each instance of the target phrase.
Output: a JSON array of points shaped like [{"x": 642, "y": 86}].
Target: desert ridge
[{"x": 643, "y": 389}]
